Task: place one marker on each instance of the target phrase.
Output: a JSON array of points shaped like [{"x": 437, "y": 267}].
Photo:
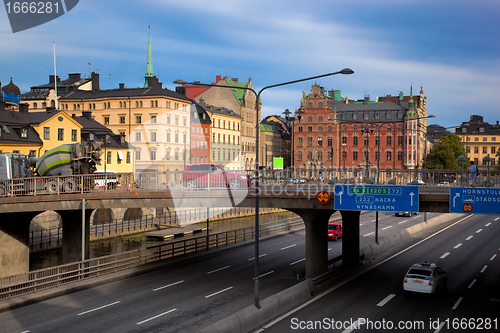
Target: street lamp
[
  {"x": 487, "y": 159},
  {"x": 345, "y": 71},
  {"x": 462, "y": 159}
]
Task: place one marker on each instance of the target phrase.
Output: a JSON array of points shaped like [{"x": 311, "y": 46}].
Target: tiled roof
[{"x": 123, "y": 93}]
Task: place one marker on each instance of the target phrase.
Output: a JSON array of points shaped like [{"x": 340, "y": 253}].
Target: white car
[{"x": 425, "y": 278}]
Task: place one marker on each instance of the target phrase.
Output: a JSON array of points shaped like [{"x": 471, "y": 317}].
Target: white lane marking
[
  {"x": 161, "y": 314},
  {"x": 494, "y": 256},
  {"x": 326, "y": 292},
  {"x": 479, "y": 230},
  {"x": 371, "y": 233},
  {"x": 354, "y": 326},
  {"x": 217, "y": 270},
  {"x": 458, "y": 245},
  {"x": 471, "y": 284},
  {"x": 439, "y": 328},
  {"x": 361, "y": 224},
  {"x": 484, "y": 268},
  {"x": 373, "y": 220},
  {"x": 253, "y": 258},
  {"x": 456, "y": 304},
  {"x": 287, "y": 247},
  {"x": 329, "y": 248},
  {"x": 496, "y": 219},
  {"x": 445, "y": 255},
  {"x": 387, "y": 227},
  {"x": 99, "y": 308},
  {"x": 221, "y": 291},
  {"x": 169, "y": 285},
  {"x": 296, "y": 262},
  {"x": 403, "y": 222},
  {"x": 487, "y": 224},
  {"x": 271, "y": 272},
  {"x": 469, "y": 238},
  {"x": 385, "y": 300},
  {"x": 25, "y": 331}
]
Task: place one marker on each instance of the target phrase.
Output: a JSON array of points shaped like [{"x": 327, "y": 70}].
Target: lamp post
[
  {"x": 106, "y": 142},
  {"x": 345, "y": 71},
  {"x": 462, "y": 159},
  {"x": 487, "y": 159}
]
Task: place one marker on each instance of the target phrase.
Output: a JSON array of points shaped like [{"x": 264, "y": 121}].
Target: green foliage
[{"x": 445, "y": 153}]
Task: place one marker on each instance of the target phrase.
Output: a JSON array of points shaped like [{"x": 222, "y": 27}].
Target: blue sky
[{"x": 450, "y": 48}]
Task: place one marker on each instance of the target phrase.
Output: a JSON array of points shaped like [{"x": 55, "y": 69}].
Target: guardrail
[{"x": 21, "y": 284}]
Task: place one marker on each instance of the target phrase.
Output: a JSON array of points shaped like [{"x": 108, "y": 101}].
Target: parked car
[
  {"x": 416, "y": 182},
  {"x": 213, "y": 175},
  {"x": 334, "y": 230},
  {"x": 425, "y": 278}
]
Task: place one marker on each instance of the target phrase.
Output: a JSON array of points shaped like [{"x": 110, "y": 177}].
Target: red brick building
[{"x": 339, "y": 132}]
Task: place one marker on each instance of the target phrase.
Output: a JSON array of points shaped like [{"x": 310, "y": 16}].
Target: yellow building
[
  {"x": 479, "y": 139},
  {"x": 226, "y": 136}
]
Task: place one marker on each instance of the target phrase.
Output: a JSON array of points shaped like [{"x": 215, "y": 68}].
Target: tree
[{"x": 445, "y": 153}]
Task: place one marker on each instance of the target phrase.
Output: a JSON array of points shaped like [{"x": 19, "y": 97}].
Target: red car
[
  {"x": 213, "y": 175},
  {"x": 334, "y": 230}
]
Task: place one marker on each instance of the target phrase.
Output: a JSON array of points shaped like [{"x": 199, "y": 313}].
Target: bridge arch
[
  {"x": 102, "y": 216},
  {"x": 132, "y": 214}
]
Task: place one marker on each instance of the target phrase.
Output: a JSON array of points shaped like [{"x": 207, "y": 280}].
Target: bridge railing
[
  {"x": 239, "y": 179},
  {"x": 21, "y": 284}
]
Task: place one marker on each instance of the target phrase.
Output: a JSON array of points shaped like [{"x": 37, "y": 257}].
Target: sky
[{"x": 449, "y": 48}]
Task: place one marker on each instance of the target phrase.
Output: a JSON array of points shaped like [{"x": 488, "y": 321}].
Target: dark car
[{"x": 213, "y": 175}]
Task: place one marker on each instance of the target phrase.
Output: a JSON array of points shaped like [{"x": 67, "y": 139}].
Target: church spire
[{"x": 149, "y": 66}]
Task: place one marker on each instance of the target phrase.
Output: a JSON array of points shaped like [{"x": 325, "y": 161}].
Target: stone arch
[
  {"x": 132, "y": 214},
  {"x": 102, "y": 216}
]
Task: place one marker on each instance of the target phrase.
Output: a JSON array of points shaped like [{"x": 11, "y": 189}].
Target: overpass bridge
[{"x": 75, "y": 210}]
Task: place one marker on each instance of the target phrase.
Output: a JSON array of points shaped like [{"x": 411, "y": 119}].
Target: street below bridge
[{"x": 186, "y": 294}]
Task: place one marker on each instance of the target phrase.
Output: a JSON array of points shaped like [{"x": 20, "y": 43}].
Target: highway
[
  {"x": 469, "y": 251},
  {"x": 193, "y": 292}
]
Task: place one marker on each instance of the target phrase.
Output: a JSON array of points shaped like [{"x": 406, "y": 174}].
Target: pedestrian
[{"x": 472, "y": 174}]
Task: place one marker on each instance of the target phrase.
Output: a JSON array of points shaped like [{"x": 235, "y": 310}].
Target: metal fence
[
  {"x": 238, "y": 179},
  {"x": 42, "y": 279}
]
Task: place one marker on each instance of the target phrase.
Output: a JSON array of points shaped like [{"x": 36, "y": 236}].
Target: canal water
[{"x": 105, "y": 247}]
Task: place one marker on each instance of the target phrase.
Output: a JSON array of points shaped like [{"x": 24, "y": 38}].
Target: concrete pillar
[
  {"x": 316, "y": 225},
  {"x": 14, "y": 243},
  {"x": 350, "y": 236},
  {"x": 72, "y": 235}
]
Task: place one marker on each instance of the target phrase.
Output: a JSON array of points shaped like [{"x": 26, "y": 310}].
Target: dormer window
[{"x": 24, "y": 132}]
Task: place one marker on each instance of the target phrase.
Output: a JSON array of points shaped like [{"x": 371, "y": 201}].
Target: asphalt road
[
  {"x": 188, "y": 294},
  {"x": 468, "y": 251}
]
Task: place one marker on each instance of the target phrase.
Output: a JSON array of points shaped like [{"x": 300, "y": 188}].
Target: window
[
  {"x": 74, "y": 134},
  {"x": 309, "y": 118},
  {"x": 108, "y": 157},
  {"x": 388, "y": 115},
  {"x": 309, "y": 141},
  {"x": 137, "y": 154},
  {"x": 389, "y": 140},
  {"x": 476, "y": 139},
  {"x": 153, "y": 154},
  {"x": 300, "y": 128},
  {"x": 24, "y": 132},
  {"x": 377, "y": 140},
  {"x": 329, "y": 128},
  {"x": 137, "y": 136},
  {"x": 389, "y": 127},
  {"x": 330, "y": 155},
  {"x": 377, "y": 116},
  {"x": 476, "y": 150},
  {"x": 176, "y": 121},
  {"x": 330, "y": 142},
  {"x": 344, "y": 141},
  {"x": 389, "y": 155},
  {"x": 299, "y": 156},
  {"x": 355, "y": 155},
  {"x": 299, "y": 143},
  {"x": 320, "y": 118},
  {"x": 176, "y": 138},
  {"x": 122, "y": 119},
  {"x": 376, "y": 155},
  {"x": 168, "y": 136},
  {"x": 320, "y": 141},
  {"x": 60, "y": 134},
  {"x": 153, "y": 119},
  {"x": 355, "y": 140},
  {"x": 493, "y": 149},
  {"x": 320, "y": 155},
  {"x": 344, "y": 156},
  {"x": 367, "y": 140},
  {"x": 153, "y": 136},
  {"x": 320, "y": 128},
  {"x": 33, "y": 153},
  {"x": 309, "y": 128},
  {"x": 485, "y": 139},
  {"x": 138, "y": 119},
  {"x": 106, "y": 120},
  {"x": 344, "y": 128},
  {"x": 355, "y": 128},
  {"x": 168, "y": 120},
  {"x": 184, "y": 121},
  {"x": 485, "y": 150},
  {"x": 400, "y": 155},
  {"x": 400, "y": 140},
  {"x": 320, "y": 105},
  {"x": 46, "y": 133}
]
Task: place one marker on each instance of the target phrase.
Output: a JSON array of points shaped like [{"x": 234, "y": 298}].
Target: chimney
[
  {"x": 52, "y": 80},
  {"x": 75, "y": 76},
  {"x": 23, "y": 107},
  {"x": 73, "y": 116},
  {"x": 181, "y": 90},
  {"x": 122, "y": 86},
  {"x": 218, "y": 78},
  {"x": 95, "y": 81},
  {"x": 87, "y": 115}
]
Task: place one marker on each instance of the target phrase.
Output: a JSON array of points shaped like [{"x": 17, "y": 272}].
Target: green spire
[
  {"x": 149, "y": 66},
  {"x": 411, "y": 106}
]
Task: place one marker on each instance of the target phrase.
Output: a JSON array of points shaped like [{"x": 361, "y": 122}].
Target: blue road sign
[
  {"x": 376, "y": 197},
  {"x": 475, "y": 200}
]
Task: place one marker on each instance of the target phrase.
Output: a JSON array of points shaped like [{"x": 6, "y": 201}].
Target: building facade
[
  {"x": 200, "y": 135},
  {"x": 339, "y": 132},
  {"x": 479, "y": 139}
]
